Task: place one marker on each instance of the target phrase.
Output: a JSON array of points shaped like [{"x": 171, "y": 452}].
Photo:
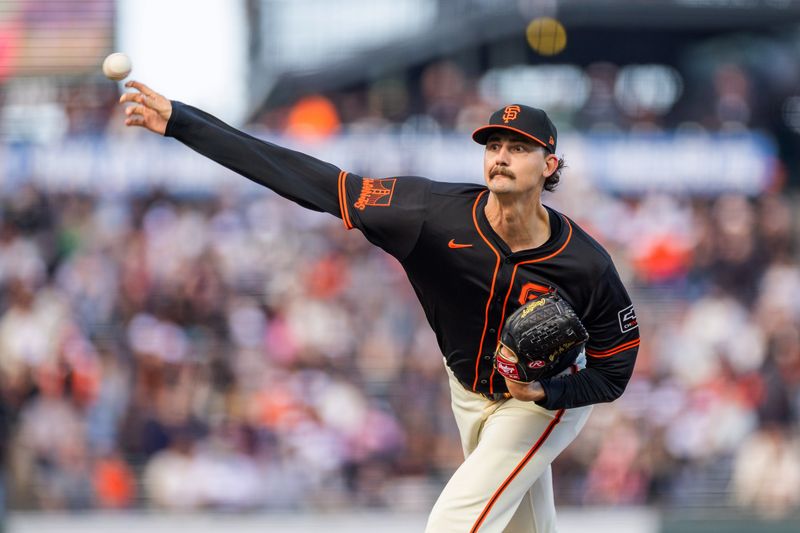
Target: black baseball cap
[{"x": 528, "y": 121}]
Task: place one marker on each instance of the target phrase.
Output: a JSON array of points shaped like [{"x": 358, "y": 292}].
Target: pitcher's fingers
[
  {"x": 132, "y": 97},
  {"x": 134, "y": 120},
  {"x": 134, "y": 110},
  {"x": 141, "y": 87}
]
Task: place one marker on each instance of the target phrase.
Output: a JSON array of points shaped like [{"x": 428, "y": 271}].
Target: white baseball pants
[{"x": 505, "y": 483}]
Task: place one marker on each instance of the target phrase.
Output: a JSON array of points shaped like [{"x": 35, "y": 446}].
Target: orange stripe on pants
[{"x": 504, "y": 485}]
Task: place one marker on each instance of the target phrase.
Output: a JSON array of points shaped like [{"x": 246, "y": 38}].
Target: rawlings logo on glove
[
  {"x": 539, "y": 340},
  {"x": 505, "y": 368}
]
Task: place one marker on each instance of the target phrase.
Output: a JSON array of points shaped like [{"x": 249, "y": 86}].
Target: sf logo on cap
[{"x": 510, "y": 113}]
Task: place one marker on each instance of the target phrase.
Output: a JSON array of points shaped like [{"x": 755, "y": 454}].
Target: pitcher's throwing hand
[{"x": 152, "y": 111}]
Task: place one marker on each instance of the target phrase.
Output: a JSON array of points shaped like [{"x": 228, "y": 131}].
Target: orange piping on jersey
[
  {"x": 339, "y": 196},
  {"x": 612, "y": 351},
  {"x": 491, "y": 291},
  {"x": 343, "y": 200},
  {"x": 514, "y": 273},
  {"x": 516, "y": 471}
]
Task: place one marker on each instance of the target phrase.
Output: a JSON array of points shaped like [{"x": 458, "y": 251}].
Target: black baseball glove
[{"x": 539, "y": 340}]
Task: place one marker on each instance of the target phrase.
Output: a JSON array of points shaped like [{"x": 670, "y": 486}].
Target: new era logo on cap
[{"x": 525, "y": 120}]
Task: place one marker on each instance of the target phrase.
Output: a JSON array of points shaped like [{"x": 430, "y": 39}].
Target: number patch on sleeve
[{"x": 627, "y": 319}]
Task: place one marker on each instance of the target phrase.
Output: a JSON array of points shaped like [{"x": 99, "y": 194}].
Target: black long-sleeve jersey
[{"x": 466, "y": 278}]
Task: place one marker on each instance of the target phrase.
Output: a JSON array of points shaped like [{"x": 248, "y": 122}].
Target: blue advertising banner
[{"x": 692, "y": 163}]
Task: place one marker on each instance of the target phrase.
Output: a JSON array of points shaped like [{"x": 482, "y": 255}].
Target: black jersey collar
[{"x": 559, "y": 234}]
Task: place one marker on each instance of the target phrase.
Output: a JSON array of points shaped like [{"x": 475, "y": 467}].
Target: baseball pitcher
[{"x": 529, "y": 312}]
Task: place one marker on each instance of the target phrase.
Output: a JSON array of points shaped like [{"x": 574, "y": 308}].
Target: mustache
[{"x": 501, "y": 171}]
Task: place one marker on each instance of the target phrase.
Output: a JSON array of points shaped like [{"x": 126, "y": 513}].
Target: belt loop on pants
[{"x": 496, "y": 397}]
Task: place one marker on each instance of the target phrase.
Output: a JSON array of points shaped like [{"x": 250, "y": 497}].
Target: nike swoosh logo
[{"x": 452, "y": 244}]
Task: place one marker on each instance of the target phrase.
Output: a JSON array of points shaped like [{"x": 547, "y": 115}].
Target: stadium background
[{"x": 176, "y": 341}]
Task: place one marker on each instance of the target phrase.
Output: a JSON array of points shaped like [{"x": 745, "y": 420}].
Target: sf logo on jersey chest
[{"x": 531, "y": 291}]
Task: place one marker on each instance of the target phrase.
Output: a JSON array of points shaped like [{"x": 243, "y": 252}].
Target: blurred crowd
[
  {"x": 234, "y": 351},
  {"x": 209, "y": 352},
  {"x": 242, "y": 353}
]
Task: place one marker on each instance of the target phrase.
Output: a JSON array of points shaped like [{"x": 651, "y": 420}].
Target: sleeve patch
[
  {"x": 375, "y": 192},
  {"x": 627, "y": 319}
]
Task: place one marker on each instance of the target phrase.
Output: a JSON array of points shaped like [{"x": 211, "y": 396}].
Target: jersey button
[
  {"x": 492, "y": 331},
  {"x": 487, "y": 357},
  {"x": 484, "y": 381}
]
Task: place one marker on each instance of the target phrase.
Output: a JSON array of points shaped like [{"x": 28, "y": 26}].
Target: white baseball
[{"x": 117, "y": 66}]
